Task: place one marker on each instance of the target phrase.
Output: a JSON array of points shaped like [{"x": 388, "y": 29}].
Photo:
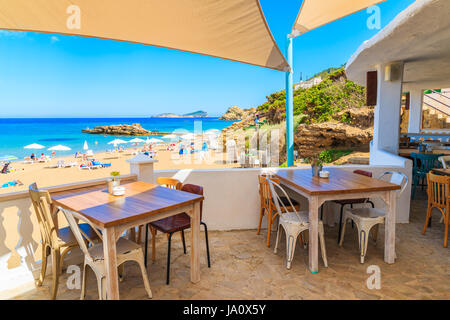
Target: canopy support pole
[{"x": 290, "y": 105}]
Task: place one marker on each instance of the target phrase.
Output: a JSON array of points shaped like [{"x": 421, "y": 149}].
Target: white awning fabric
[
  {"x": 232, "y": 29},
  {"x": 316, "y": 13}
]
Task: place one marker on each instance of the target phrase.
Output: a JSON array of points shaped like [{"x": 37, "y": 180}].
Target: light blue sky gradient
[{"x": 44, "y": 75}]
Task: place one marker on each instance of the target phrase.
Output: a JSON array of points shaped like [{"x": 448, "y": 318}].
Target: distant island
[{"x": 196, "y": 114}]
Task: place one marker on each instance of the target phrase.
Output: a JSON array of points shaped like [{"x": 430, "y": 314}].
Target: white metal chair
[
  {"x": 445, "y": 160},
  {"x": 366, "y": 218},
  {"x": 126, "y": 251},
  {"x": 293, "y": 223}
]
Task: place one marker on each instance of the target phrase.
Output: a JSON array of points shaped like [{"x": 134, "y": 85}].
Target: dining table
[
  {"x": 142, "y": 203},
  {"x": 443, "y": 172},
  {"x": 340, "y": 185}
]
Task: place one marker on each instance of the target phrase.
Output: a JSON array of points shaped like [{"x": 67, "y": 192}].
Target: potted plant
[
  {"x": 116, "y": 181},
  {"x": 316, "y": 166}
]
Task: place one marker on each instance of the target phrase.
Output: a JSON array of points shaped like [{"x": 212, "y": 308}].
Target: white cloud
[{"x": 54, "y": 39}]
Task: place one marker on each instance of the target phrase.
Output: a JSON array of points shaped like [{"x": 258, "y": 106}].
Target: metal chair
[
  {"x": 177, "y": 223},
  {"x": 366, "y": 218},
  {"x": 94, "y": 256},
  {"x": 445, "y": 162},
  {"x": 57, "y": 242},
  {"x": 423, "y": 163},
  {"x": 267, "y": 206},
  {"x": 293, "y": 223}
]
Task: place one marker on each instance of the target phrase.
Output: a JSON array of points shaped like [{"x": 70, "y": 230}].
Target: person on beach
[
  {"x": 33, "y": 157},
  {"x": 257, "y": 118},
  {"x": 181, "y": 152}
]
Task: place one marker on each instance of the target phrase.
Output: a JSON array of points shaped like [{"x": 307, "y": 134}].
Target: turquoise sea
[{"x": 17, "y": 133}]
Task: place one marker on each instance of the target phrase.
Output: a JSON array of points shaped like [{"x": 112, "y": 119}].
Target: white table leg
[
  {"x": 195, "y": 243},
  {"x": 313, "y": 246},
  {"x": 109, "y": 249},
  {"x": 389, "y": 238}
]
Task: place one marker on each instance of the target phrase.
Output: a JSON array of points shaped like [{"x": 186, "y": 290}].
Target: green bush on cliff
[{"x": 335, "y": 93}]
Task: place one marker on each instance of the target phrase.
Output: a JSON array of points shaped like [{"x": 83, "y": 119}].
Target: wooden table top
[
  {"x": 340, "y": 181},
  {"x": 141, "y": 200},
  {"x": 445, "y": 172}
]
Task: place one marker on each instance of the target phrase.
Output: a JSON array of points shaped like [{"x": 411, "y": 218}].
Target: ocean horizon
[{"x": 16, "y": 133}]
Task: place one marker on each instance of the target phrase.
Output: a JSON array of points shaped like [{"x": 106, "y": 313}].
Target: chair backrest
[
  {"x": 274, "y": 187},
  {"x": 398, "y": 178},
  {"x": 438, "y": 188},
  {"x": 363, "y": 173},
  {"x": 73, "y": 217},
  {"x": 169, "y": 183},
  {"x": 192, "y": 188},
  {"x": 41, "y": 201},
  {"x": 423, "y": 163},
  {"x": 445, "y": 161}
]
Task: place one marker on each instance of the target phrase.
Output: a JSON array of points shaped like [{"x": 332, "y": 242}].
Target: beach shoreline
[{"x": 45, "y": 175}]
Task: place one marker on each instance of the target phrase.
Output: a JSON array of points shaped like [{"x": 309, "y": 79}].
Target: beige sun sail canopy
[
  {"x": 316, "y": 13},
  {"x": 229, "y": 29}
]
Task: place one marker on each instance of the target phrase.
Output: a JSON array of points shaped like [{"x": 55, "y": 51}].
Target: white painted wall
[
  {"x": 386, "y": 129},
  {"x": 415, "y": 111}
]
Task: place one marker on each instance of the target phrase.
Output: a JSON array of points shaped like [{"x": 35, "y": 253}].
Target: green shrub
[{"x": 328, "y": 156}]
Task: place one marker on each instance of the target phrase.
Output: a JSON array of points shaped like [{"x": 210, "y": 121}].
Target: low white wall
[
  {"x": 231, "y": 202},
  {"x": 232, "y": 198}
]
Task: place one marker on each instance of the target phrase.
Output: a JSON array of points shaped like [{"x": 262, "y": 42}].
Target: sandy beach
[{"x": 44, "y": 176}]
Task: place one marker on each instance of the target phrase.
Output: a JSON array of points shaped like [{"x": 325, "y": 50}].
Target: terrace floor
[{"x": 244, "y": 268}]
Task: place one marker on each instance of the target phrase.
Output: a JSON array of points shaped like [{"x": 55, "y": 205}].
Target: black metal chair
[{"x": 179, "y": 222}]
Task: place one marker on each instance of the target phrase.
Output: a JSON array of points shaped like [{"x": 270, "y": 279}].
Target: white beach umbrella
[
  {"x": 85, "y": 146},
  {"x": 154, "y": 140},
  {"x": 117, "y": 141},
  {"x": 169, "y": 137},
  {"x": 136, "y": 140},
  {"x": 34, "y": 146},
  {"x": 188, "y": 136},
  {"x": 59, "y": 147}
]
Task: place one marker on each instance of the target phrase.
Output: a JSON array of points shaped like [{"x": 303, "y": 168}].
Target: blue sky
[{"x": 44, "y": 75}]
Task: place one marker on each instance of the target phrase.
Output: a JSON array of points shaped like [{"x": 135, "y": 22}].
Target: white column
[
  {"x": 415, "y": 110},
  {"x": 142, "y": 166},
  {"x": 387, "y": 111}
]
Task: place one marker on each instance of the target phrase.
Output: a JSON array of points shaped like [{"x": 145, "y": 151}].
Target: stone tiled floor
[{"x": 244, "y": 268}]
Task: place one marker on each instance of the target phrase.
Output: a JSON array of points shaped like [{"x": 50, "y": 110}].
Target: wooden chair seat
[
  {"x": 67, "y": 237},
  {"x": 172, "y": 224}
]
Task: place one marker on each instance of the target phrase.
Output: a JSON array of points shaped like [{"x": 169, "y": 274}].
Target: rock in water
[{"x": 119, "y": 130}]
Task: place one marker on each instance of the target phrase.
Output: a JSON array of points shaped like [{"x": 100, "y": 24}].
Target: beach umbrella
[
  {"x": 117, "y": 141},
  {"x": 59, "y": 147},
  {"x": 8, "y": 158},
  {"x": 34, "y": 146},
  {"x": 213, "y": 131},
  {"x": 85, "y": 146},
  {"x": 136, "y": 140},
  {"x": 154, "y": 140},
  {"x": 188, "y": 136},
  {"x": 169, "y": 137}
]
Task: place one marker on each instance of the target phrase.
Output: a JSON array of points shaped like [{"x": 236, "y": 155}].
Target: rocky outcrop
[
  {"x": 119, "y": 130},
  {"x": 236, "y": 113},
  {"x": 311, "y": 139}
]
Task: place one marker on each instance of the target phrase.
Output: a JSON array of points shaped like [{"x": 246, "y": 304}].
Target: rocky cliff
[
  {"x": 236, "y": 113},
  {"x": 119, "y": 130}
]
